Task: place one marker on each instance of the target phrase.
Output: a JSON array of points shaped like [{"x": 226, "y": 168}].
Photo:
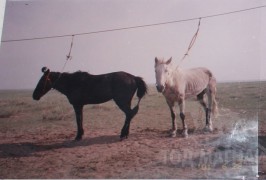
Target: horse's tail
[
  {"x": 212, "y": 85},
  {"x": 142, "y": 87}
]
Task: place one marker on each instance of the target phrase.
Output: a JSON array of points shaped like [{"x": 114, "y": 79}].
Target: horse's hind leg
[
  {"x": 208, "y": 112},
  {"x": 125, "y": 106},
  {"x": 129, "y": 115},
  {"x": 200, "y": 98}
]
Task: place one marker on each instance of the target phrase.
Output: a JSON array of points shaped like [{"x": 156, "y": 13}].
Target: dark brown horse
[{"x": 82, "y": 88}]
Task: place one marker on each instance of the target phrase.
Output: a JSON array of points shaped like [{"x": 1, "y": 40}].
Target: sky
[{"x": 232, "y": 46}]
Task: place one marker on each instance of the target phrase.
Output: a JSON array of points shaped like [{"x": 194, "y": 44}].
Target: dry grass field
[{"x": 36, "y": 138}]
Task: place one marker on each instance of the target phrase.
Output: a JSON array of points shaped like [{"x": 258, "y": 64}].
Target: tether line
[
  {"x": 192, "y": 42},
  {"x": 134, "y": 27},
  {"x": 68, "y": 57}
]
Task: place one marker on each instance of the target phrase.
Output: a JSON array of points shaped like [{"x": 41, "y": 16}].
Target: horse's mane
[
  {"x": 76, "y": 74},
  {"x": 75, "y": 77},
  {"x": 80, "y": 73}
]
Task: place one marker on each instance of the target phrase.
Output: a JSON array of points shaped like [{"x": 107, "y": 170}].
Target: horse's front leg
[
  {"x": 173, "y": 115},
  {"x": 79, "y": 118},
  {"x": 182, "y": 116}
]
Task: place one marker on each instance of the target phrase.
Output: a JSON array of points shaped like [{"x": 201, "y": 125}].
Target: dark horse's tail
[{"x": 142, "y": 87}]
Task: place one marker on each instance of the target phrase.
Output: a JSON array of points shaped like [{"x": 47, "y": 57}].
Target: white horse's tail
[
  {"x": 212, "y": 87},
  {"x": 213, "y": 90}
]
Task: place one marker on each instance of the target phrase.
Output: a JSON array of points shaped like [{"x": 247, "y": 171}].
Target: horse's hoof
[
  {"x": 78, "y": 138},
  {"x": 208, "y": 129},
  {"x": 185, "y": 134},
  {"x": 123, "y": 137},
  {"x": 173, "y": 134}
]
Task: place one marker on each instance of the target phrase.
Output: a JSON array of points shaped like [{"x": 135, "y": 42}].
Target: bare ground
[{"x": 45, "y": 149}]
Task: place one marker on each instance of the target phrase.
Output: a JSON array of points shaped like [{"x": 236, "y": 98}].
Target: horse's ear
[
  {"x": 169, "y": 61},
  {"x": 156, "y": 60},
  {"x": 45, "y": 70}
]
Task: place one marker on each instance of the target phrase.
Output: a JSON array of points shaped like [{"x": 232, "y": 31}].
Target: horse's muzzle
[
  {"x": 35, "y": 97},
  {"x": 160, "y": 88}
]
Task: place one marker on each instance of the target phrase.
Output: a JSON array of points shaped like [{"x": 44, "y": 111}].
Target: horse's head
[
  {"x": 163, "y": 71},
  {"x": 44, "y": 85}
]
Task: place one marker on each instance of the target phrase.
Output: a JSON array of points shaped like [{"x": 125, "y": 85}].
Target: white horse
[{"x": 177, "y": 84}]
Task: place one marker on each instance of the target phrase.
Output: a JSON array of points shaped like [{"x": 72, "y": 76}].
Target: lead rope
[
  {"x": 68, "y": 57},
  {"x": 192, "y": 42}
]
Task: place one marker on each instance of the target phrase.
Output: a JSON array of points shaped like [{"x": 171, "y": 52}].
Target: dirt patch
[
  {"x": 147, "y": 153},
  {"x": 34, "y": 147}
]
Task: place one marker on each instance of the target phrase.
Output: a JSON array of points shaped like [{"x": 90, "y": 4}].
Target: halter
[
  {"x": 47, "y": 79},
  {"x": 68, "y": 57}
]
